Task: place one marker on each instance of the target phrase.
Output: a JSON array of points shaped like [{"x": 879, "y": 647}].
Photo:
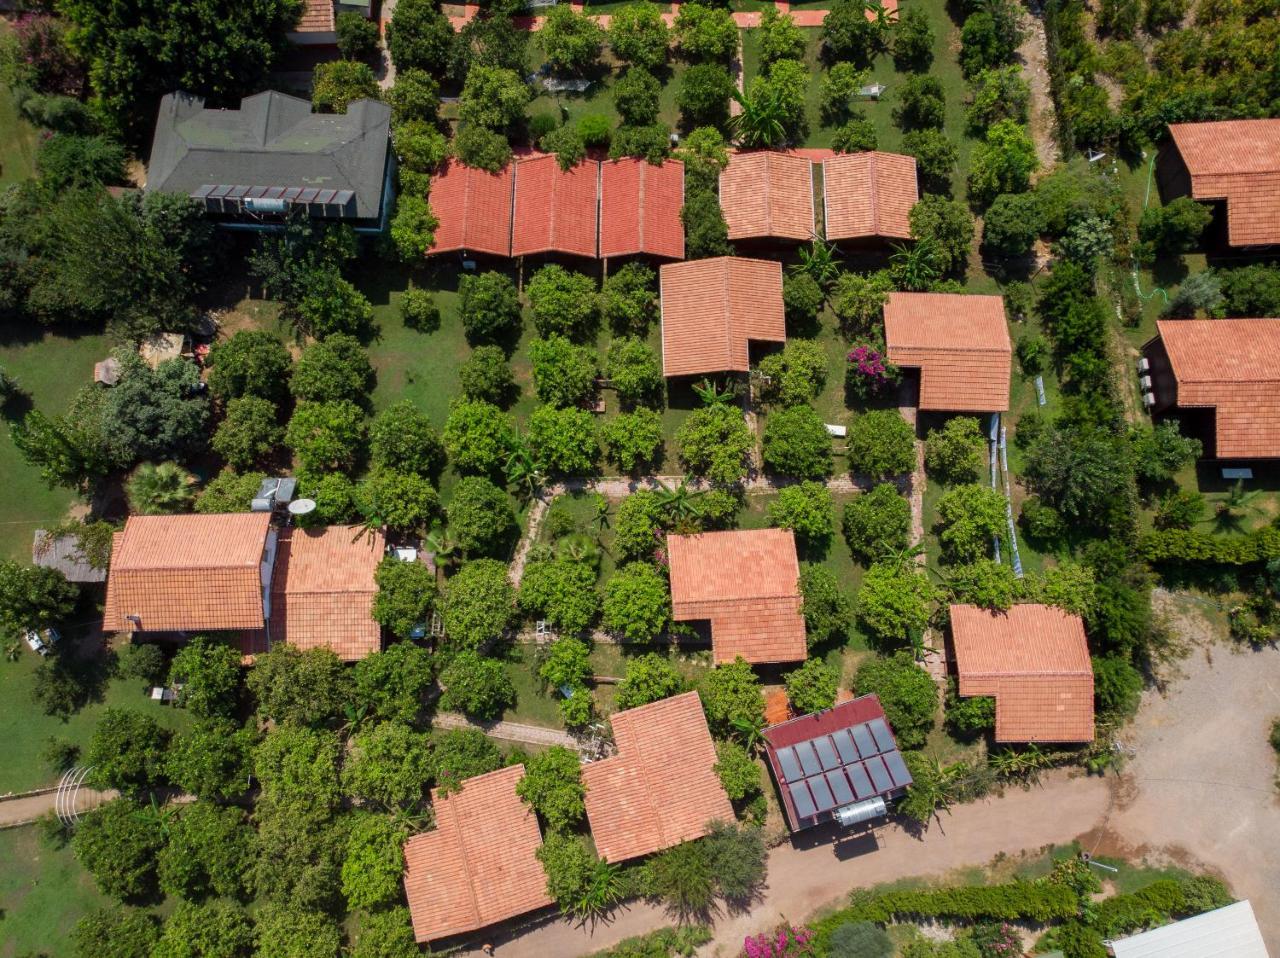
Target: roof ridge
[
  {"x": 466, "y": 866},
  {"x": 648, "y": 791},
  {"x": 768, "y": 193},
  {"x": 875, "y": 205},
  {"x": 727, "y": 263},
  {"x": 640, "y": 218}
]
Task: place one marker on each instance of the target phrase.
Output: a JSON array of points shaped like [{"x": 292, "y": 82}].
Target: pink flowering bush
[
  {"x": 997, "y": 941},
  {"x": 43, "y": 59},
  {"x": 785, "y": 941},
  {"x": 869, "y": 373}
]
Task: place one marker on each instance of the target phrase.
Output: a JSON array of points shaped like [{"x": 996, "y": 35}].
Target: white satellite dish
[{"x": 300, "y": 507}]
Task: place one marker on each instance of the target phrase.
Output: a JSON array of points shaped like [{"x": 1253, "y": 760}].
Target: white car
[{"x": 42, "y": 640}]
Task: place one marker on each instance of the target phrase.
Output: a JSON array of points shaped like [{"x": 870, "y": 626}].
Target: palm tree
[
  {"x": 750, "y": 730},
  {"x": 882, "y": 20},
  {"x": 600, "y": 521},
  {"x": 901, "y": 558},
  {"x": 819, "y": 262},
  {"x": 523, "y": 470},
  {"x": 444, "y": 548},
  {"x": 916, "y": 268},
  {"x": 1231, "y": 512},
  {"x": 760, "y": 124},
  {"x": 158, "y": 490},
  {"x": 678, "y": 503},
  {"x": 711, "y": 395},
  {"x": 579, "y": 548}
]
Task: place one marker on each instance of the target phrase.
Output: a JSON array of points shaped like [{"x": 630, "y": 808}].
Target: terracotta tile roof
[
  {"x": 711, "y": 308},
  {"x": 868, "y": 195},
  {"x": 960, "y": 344},
  {"x": 474, "y": 209},
  {"x": 478, "y": 866},
  {"x": 640, "y": 208},
  {"x": 555, "y": 210},
  {"x": 187, "y": 573},
  {"x": 661, "y": 788},
  {"x": 747, "y": 584},
  {"x": 1233, "y": 366},
  {"x": 322, "y": 590},
  {"x": 1237, "y": 161},
  {"x": 768, "y": 194},
  {"x": 317, "y": 17},
  {"x": 1035, "y": 660}
]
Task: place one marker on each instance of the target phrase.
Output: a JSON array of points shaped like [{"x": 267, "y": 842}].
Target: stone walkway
[{"x": 509, "y": 731}]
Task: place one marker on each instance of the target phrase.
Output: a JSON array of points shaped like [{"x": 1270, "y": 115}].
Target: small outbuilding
[
  {"x": 868, "y": 196},
  {"x": 768, "y": 195},
  {"x": 64, "y": 554},
  {"x": 1229, "y": 932}
]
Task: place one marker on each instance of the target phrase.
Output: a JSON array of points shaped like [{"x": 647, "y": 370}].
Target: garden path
[
  {"x": 509, "y": 731},
  {"x": 22, "y": 809}
]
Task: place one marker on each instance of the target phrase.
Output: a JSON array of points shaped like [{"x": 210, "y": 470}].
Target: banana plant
[
  {"x": 712, "y": 395},
  {"x": 819, "y": 262}
]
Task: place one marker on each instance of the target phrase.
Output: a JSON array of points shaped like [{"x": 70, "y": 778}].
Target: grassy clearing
[
  {"x": 533, "y": 705},
  {"x": 43, "y": 893},
  {"x": 18, "y": 140}
]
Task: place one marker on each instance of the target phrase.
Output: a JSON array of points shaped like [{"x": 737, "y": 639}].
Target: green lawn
[
  {"x": 18, "y": 140},
  {"x": 43, "y": 892}
]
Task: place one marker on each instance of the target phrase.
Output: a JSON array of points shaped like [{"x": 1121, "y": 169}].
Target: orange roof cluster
[
  {"x": 960, "y": 344},
  {"x": 322, "y": 590},
  {"x": 1034, "y": 660},
  {"x": 618, "y": 208},
  {"x": 661, "y": 788},
  {"x": 188, "y": 573},
  {"x": 478, "y": 866},
  {"x": 768, "y": 195},
  {"x": 747, "y": 584},
  {"x": 1237, "y": 161},
  {"x": 1233, "y": 366},
  {"x": 867, "y": 195},
  {"x": 712, "y": 308}
]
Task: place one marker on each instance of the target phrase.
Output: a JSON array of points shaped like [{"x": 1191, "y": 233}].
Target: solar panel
[
  {"x": 840, "y": 787},
  {"x": 826, "y": 753},
  {"x": 308, "y": 195},
  {"x": 844, "y": 745},
  {"x": 236, "y": 192},
  {"x": 881, "y": 733},
  {"x": 326, "y": 196},
  {"x": 219, "y": 192},
  {"x": 879, "y": 775},
  {"x": 821, "y": 793},
  {"x": 790, "y": 765},
  {"x": 803, "y": 803},
  {"x": 866, "y": 744},
  {"x": 202, "y": 192},
  {"x": 344, "y": 197},
  {"x": 897, "y": 768},
  {"x": 862, "y": 786},
  {"x": 808, "y": 758}
]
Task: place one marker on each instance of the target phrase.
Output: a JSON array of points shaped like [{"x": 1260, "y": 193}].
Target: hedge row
[{"x": 1179, "y": 545}]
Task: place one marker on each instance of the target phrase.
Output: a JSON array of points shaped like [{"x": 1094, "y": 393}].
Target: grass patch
[
  {"x": 43, "y": 893},
  {"x": 533, "y": 705},
  {"x": 18, "y": 140}
]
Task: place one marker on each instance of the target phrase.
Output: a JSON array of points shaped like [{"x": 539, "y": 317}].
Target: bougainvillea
[
  {"x": 785, "y": 941},
  {"x": 869, "y": 373}
]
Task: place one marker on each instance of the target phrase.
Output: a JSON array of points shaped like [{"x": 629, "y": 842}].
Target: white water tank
[{"x": 861, "y": 812}]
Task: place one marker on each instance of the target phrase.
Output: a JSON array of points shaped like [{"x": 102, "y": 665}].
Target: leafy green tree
[
  {"x": 463, "y": 753},
  {"x": 635, "y": 372},
  {"x": 921, "y": 104},
  {"x": 207, "y": 849},
  {"x": 705, "y": 155},
  {"x": 1117, "y": 687},
  {"x": 990, "y": 37},
  {"x": 827, "y": 609},
  {"x": 145, "y": 663},
  {"x": 796, "y": 374},
  {"x": 858, "y": 301},
  {"x": 68, "y": 452},
  {"x": 211, "y": 759},
  {"x": 406, "y": 595},
  {"x": 807, "y": 509},
  {"x": 796, "y": 443},
  {"x": 552, "y": 786},
  {"x": 703, "y": 97},
  {"x": 393, "y": 684},
  {"x": 388, "y": 765},
  {"x": 705, "y": 231},
  {"x": 339, "y": 83},
  {"x": 581, "y": 884},
  {"x": 562, "y": 592},
  {"x": 292, "y": 931},
  {"x": 155, "y": 413},
  {"x": 812, "y": 687},
  {"x": 779, "y": 38},
  {"x": 357, "y": 36},
  {"x": 567, "y": 144},
  {"x": 493, "y": 97},
  {"x": 571, "y": 40},
  {"x": 637, "y": 603},
  {"x": 486, "y": 377},
  {"x": 731, "y": 694},
  {"x": 209, "y": 673},
  {"x": 648, "y": 678},
  {"x": 564, "y": 440},
  {"x": 402, "y": 439},
  {"x": 998, "y": 94},
  {"x": 490, "y": 307},
  {"x": 300, "y": 688},
  {"x": 476, "y": 686},
  {"x": 705, "y": 33},
  {"x": 567, "y": 664},
  {"x": 331, "y": 305},
  {"x": 840, "y": 85},
  {"x": 893, "y": 603},
  {"x": 335, "y": 369},
  {"x": 418, "y": 310},
  {"x": 563, "y": 374},
  {"x": 117, "y": 844},
  {"x": 126, "y": 751},
  {"x": 877, "y": 522},
  {"x": 738, "y": 772},
  {"x": 629, "y": 299},
  {"x": 639, "y": 36},
  {"x": 968, "y": 718},
  {"x": 913, "y": 40},
  {"x": 215, "y": 929},
  {"x": 249, "y": 363},
  {"x": 881, "y": 444},
  {"x": 480, "y": 517},
  {"x": 802, "y": 300},
  {"x": 33, "y": 596},
  {"x": 954, "y": 454},
  {"x": 478, "y": 603},
  {"x": 849, "y": 34},
  {"x": 115, "y": 932},
  {"x": 1160, "y": 451},
  {"x": 649, "y": 142},
  {"x": 936, "y": 159},
  {"x": 714, "y": 442},
  {"x": 856, "y": 136},
  {"x": 385, "y": 934},
  {"x": 633, "y": 440},
  {"x": 1083, "y": 471},
  {"x": 297, "y": 768},
  {"x": 326, "y": 435},
  {"x": 906, "y": 691},
  {"x": 401, "y": 502},
  {"x": 775, "y": 102},
  {"x": 1003, "y": 163},
  {"x": 1252, "y": 290},
  {"x": 373, "y": 869},
  {"x": 419, "y": 38},
  {"x": 638, "y": 525},
  {"x": 477, "y": 437},
  {"x": 947, "y": 225},
  {"x": 1162, "y": 14},
  {"x": 563, "y": 303},
  {"x": 1012, "y": 224},
  {"x": 250, "y": 434},
  {"x": 1175, "y": 227}
]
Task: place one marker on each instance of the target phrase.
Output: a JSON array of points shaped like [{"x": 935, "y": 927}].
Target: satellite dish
[{"x": 300, "y": 507}]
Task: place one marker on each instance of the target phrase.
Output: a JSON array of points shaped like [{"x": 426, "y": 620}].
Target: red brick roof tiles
[
  {"x": 1233, "y": 366},
  {"x": 187, "y": 573},
  {"x": 478, "y": 866},
  {"x": 322, "y": 590},
  {"x": 868, "y": 195},
  {"x": 1237, "y": 161},
  {"x": 317, "y": 17},
  {"x": 661, "y": 788},
  {"x": 711, "y": 308},
  {"x": 960, "y": 344},
  {"x": 640, "y": 208},
  {"x": 474, "y": 209},
  {"x": 1034, "y": 659},
  {"x": 746, "y": 583},
  {"x": 768, "y": 195},
  {"x": 555, "y": 209}
]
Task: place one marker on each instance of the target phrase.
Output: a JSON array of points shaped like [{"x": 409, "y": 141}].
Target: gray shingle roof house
[{"x": 249, "y": 166}]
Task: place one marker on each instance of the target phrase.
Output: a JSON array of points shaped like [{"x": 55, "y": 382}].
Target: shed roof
[
  {"x": 869, "y": 195},
  {"x": 322, "y": 590},
  {"x": 640, "y": 206},
  {"x": 712, "y": 308},
  {"x": 1233, "y": 366},
  {"x": 768, "y": 194},
  {"x": 960, "y": 343},
  {"x": 661, "y": 788},
  {"x": 317, "y": 17},
  {"x": 1237, "y": 161},
  {"x": 1034, "y": 659},
  {"x": 64, "y": 554},
  {"x": 555, "y": 210},
  {"x": 188, "y": 572},
  {"x": 478, "y": 866},
  {"x": 474, "y": 209},
  {"x": 747, "y": 584},
  {"x": 1228, "y": 932}
]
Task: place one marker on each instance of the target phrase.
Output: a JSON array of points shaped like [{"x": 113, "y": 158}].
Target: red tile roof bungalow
[
  {"x": 959, "y": 343},
  {"x": 1034, "y": 660},
  {"x": 746, "y": 584},
  {"x": 661, "y": 788},
  {"x": 713, "y": 308},
  {"x": 768, "y": 195},
  {"x": 316, "y": 26},
  {"x": 1228, "y": 367},
  {"x": 1236, "y": 162},
  {"x": 640, "y": 206},
  {"x": 478, "y": 865},
  {"x": 556, "y": 211},
  {"x": 474, "y": 209},
  {"x": 868, "y": 195}
]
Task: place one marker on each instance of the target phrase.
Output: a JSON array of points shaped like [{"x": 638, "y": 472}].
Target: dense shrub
[
  {"x": 906, "y": 691},
  {"x": 881, "y": 444},
  {"x": 490, "y": 307},
  {"x": 797, "y": 373},
  {"x": 796, "y": 443},
  {"x": 876, "y": 523},
  {"x": 714, "y": 442},
  {"x": 827, "y": 608}
]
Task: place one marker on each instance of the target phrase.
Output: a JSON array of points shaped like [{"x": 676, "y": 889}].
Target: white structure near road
[{"x": 1230, "y": 932}]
